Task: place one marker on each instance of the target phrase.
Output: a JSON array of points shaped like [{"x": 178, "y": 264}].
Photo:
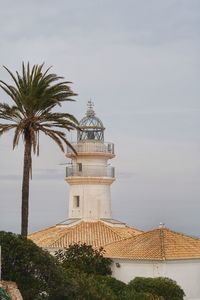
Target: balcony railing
[
  {"x": 92, "y": 147},
  {"x": 90, "y": 171}
]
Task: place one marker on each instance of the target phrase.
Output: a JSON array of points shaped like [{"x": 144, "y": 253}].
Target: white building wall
[{"x": 185, "y": 272}]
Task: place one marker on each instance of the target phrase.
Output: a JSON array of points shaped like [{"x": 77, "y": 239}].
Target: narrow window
[
  {"x": 76, "y": 201},
  {"x": 80, "y": 167}
]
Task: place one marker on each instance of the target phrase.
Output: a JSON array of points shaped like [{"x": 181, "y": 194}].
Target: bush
[
  {"x": 131, "y": 294},
  {"x": 39, "y": 275},
  {"x": 88, "y": 287},
  {"x": 36, "y": 272},
  {"x": 84, "y": 258},
  {"x": 160, "y": 286},
  {"x": 116, "y": 286}
]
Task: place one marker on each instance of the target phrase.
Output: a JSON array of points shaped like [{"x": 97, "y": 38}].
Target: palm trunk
[{"x": 25, "y": 185}]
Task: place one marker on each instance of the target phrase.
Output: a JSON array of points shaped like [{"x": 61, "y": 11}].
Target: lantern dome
[{"x": 91, "y": 126}]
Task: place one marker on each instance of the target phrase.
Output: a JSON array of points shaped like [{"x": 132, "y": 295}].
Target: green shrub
[
  {"x": 85, "y": 258},
  {"x": 36, "y": 272},
  {"x": 160, "y": 286},
  {"x": 88, "y": 287},
  {"x": 117, "y": 286}
]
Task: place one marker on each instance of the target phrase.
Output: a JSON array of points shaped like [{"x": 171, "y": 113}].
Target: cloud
[
  {"x": 38, "y": 174},
  {"x": 10, "y": 177}
]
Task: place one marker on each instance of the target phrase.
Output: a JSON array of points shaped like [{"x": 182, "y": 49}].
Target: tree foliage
[
  {"x": 160, "y": 286},
  {"x": 34, "y": 94},
  {"x": 117, "y": 286},
  {"x": 85, "y": 258},
  {"x": 88, "y": 287},
  {"x": 36, "y": 272},
  {"x": 133, "y": 295},
  {"x": 39, "y": 275}
]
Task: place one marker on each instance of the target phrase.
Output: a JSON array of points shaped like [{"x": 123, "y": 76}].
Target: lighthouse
[{"x": 90, "y": 174}]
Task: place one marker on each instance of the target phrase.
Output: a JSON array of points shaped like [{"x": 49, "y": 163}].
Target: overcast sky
[{"x": 138, "y": 60}]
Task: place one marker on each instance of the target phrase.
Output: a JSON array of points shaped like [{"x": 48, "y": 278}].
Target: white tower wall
[{"x": 95, "y": 201}]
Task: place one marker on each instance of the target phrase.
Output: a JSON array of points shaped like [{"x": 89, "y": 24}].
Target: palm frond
[
  {"x": 10, "y": 113},
  {"x": 12, "y": 75},
  {"x": 54, "y": 135},
  {"x": 6, "y": 127},
  {"x": 35, "y": 94},
  {"x": 62, "y": 118},
  {"x": 67, "y": 143},
  {"x": 17, "y": 134},
  {"x": 14, "y": 94}
]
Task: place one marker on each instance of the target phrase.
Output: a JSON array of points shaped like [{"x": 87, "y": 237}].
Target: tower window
[
  {"x": 80, "y": 167},
  {"x": 76, "y": 201}
]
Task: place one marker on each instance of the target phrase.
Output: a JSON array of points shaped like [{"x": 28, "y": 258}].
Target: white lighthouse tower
[{"x": 89, "y": 175}]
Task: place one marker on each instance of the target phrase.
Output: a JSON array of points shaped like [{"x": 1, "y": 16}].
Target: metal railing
[
  {"x": 92, "y": 147},
  {"x": 90, "y": 171}
]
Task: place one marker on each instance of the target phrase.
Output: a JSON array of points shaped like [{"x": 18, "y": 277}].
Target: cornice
[{"x": 74, "y": 180}]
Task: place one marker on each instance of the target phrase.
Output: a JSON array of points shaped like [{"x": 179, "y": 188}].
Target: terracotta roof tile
[
  {"x": 94, "y": 233},
  {"x": 157, "y": 244}
]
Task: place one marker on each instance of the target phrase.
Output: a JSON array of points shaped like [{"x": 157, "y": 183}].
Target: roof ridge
[
  {"x": 134, "y": 228},
  {"x": 44, "y": 229},
  {"x": 136, "y": 236},
  {"x": 133, "y": 237},
  {"x": 110, "y": 227},
  {"x": 162, "y": 243},
  {"x": 169, "y": 230},
  {"x": 125, "y": 239},
  {"x": 183, "y": 234},
  {"x": 70, "y": 228}
]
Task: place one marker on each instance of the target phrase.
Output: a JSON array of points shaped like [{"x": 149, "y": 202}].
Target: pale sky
[{"x": 138, "y": 60}]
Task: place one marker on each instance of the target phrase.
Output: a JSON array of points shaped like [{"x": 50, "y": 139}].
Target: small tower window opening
[
  {"x": 76, "y": 201},
  {"x": 109, "y": 148},
  {"x": 80, "y": 167}
]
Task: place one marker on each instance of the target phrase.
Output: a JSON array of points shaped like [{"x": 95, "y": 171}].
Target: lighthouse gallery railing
[
  {"x": 90, "y": 171},
  {"x": 92, "y": 147}
]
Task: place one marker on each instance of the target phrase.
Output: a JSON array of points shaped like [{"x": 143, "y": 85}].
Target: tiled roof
[
  {"x": 92, "y": 233},
  {"x": 157, "y": 244}
]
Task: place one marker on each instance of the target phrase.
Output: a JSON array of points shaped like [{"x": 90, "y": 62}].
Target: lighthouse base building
[{"x": 159, "y": 252}]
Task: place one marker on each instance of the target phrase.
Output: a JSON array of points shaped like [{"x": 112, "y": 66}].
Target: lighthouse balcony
[
  {"x": 90, "y": 171},
  {"x": 91, "y": 147}
]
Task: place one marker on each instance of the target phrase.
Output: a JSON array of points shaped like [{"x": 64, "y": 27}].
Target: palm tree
[{"x": 35, "y": 93}]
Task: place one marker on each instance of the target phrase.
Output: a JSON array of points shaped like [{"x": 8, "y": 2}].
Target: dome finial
[
  {"x": 90, "y": 111},
  {"x": 91, "y": 126},
  {"x": 162, "y": 225}
]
